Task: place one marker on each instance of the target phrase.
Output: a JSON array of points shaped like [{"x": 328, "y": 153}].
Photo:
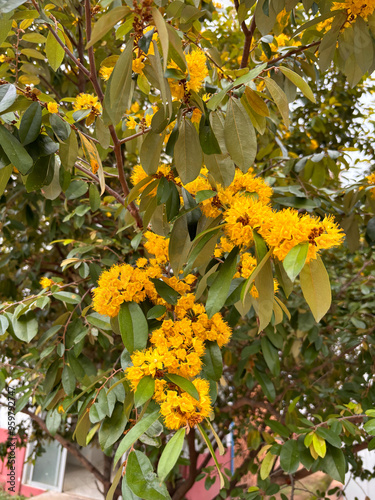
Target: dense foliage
[{"x": 167, "y": 222}]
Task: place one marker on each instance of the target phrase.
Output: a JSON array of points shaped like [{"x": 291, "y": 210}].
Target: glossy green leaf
[
  {"x": 271, "y": 356},
  {"x": 133, "y": 326},
  {"x": 145, "y": 391},
  {"x": 142, "y": 480},
  {"x": 334, "y": 464},
  {"x": 68, "y": 380},
  {"x": 8, "y": 95},
  {"x": 289, "y": 456},
  {"x": 113, "y": 427},
  {"x": 171, "y": 454},
  {"x": 30, "y": 123},
  {"x": 295, "y": 260},
  {"x": 184, "y": 384},
  {"x": 134, "y": 433},
  {"x": 150, "y": 152},
  {"x": 14, "y": 150},
  {"x": 68, "y": 297},
  {"x": 213, "y": 361},
  {"x": 25, "y": 328},
  {"x": 60, "y": 127},
  {"x": 218, "y": 292},
  {"x": 5, "y": 174},
  {"x": 165, "y": 291}
]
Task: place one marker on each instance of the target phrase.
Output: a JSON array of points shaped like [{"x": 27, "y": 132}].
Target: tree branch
[
  {"x": 293, "y": 52},
  {"x": 247, "y": 45},
  {"x": 111, "y": 191},
  {"x": 70, "y": 447}
]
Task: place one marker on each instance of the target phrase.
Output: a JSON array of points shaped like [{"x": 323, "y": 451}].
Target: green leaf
[
  {"x": 53, "y": 421},
  {"x": 217, "y": 98},
  {"x": 207, "y": 138},
  {"x": 267, "y": 464},
  {"x": 188, "y": 152},
  {"x": 205, "y": 194},
  {"x": 316, "y": 288},
  {"x": 145, "y": 391},
  {"x": 218, "y": 293},
  {"x": 150, "y": 152},
  {"x": 239, "y": 133},
  {"x": 94, "y": 198},
  {"x": 271, "y": 356},
  {"x": 68, "y": 380},
  {"x": 8, "y": 95},
  {"x": 60, "y": 127},
  {"x": 40, "y": 174},
  {"x": 133, "y": 326},
  {"x": 369, "y": 427},
  {"x": 163, "y": 34},
  {"x": 265, "y": 287},
  {"x": 135, "y": 432},
  {"x": 142, "y": 480},
  {"x": 289, "y": 456},
  {"x": 25, "y": 328},
  {"x": 295, "y": 260},
  {"x": 67, "y": 297},
  {"x": 278, "y": 95},
  {"x": 213, "y": 361},
  {"x": 266, "y": 384},
  {"x": 155, "y": 312},
  {"x": 171, "y": 454},
  {"x": 5, "y": 174},
  {"x": 334, "y": 464},
  {"x": 329, "y": 436},
  {"x": 14, "y": 150},
  {"x": 298, "y": 82},
  {"x": 105, "y": 23},
  {"x": 9, "y": 5},
  {"x": 165, "y": 291},
  {"x": 179, "y": 243},
  {"x": 213, "y": 454},
  {"x": 30, "y": 123},
  {"x": 113, "y": 427},
  {"x": 221, "y": 167},
  {"x": 319, "y": 445},
  {"x": 117, "y": 98},
  {"x": 184, "y": 384},
  {"x": 54, "y": 52},
  {"x": 68, "y": 151},
  {"x": 4, "y": 323}
]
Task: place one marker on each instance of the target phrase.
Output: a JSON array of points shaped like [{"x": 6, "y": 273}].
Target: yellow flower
[
  {"x": 196, "y": 116},
  {"x": 197, "y": 70},
  {"x": 356, "y": 8},
  {"x": 2, "y": 58},
  {"x": 179, "y": 409},
  {"x": 158, "y": 246},
  {"x": 138, "y": 65},
  {"x": 105, "y": 72},
  {"x": 131, "y": 123},
  {"x": 87, "y": 101},
  {"x": 46, "y": 282},
  {"x": 53, "y": 107},
  {"x": 314, "y": 144}
]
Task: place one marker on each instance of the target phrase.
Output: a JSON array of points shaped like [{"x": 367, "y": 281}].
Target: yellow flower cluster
[
  {"x": 178, "y": 348},
  {"x": 281, "y": 230},
  {"x": 87, "y": 101},
  {"x": 197, "y": 72},
  {"x": 356, "y": 8},
  {"x": 181, "y": 409}
]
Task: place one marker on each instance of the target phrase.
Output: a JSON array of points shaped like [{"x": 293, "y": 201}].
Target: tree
[{"x": 167, "y": 303}]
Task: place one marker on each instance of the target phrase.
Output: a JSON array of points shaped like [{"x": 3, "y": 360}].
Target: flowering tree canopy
[{"x": 172, "y": 186}]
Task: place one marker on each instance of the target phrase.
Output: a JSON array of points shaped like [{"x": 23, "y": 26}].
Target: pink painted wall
[
  {"x": 198, "y": 491},
  {"x": 20, "y": 457}
]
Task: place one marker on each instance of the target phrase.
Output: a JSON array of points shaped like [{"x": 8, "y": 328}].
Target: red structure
[{"x": 19, "y": 488}]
